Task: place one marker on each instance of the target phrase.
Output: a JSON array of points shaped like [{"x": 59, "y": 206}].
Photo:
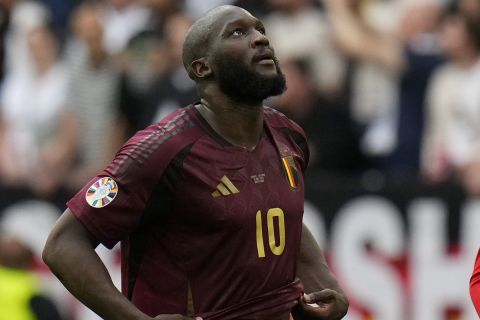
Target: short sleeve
[
  {"x": 109, "y": 207},
  {"x": 112, "y": 204},
  {"x": 475, "y": 284}
]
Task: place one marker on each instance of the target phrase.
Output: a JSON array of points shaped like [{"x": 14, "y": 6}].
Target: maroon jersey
[{"x": 207, "y": 228}]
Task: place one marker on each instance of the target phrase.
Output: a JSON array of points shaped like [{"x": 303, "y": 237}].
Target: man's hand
[
  {"x": 326, "y": 304},
  {"x": 326, "y": 300}
]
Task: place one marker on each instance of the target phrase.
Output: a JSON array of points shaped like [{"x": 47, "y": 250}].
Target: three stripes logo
[
  {"x": 225, "y": 188},
  {"x": 290, "y": 171}
]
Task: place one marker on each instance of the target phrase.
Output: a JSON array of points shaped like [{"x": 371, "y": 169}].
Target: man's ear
[{"x": 200, "y": 68}]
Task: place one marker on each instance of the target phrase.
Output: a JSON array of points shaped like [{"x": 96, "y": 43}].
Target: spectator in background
[
  {"x": 23, "y": 231},
  {"x": 451, "y": 144},
  {"x": 372, "y": 83},
  {"x": 173, "y": 88},
  {"x": 160, "y": 11},
  {"x": 145, "y": 59},
  {"x": 122, "y": 19},
  {"x": 153, "y": 80},
  {"x": 60, "y": 12},
  {"x": 409, "y": 55},
  {"x": 30, "y": 106},
  {"x": 92, "y": 106},
  {"x": 23, "y": 16},
  {"x": 332, "y": 140},
  {"x": 299, "y": 30}
]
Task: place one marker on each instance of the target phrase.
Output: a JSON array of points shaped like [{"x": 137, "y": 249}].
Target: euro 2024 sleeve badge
[{"x": 101, "y": 192}]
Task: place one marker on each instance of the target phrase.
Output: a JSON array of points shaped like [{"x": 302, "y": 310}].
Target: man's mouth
[
  {"x": 266, "y": 62},
  {"x": 265, "y": 59}
]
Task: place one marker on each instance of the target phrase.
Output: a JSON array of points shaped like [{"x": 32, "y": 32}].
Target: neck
[{"x": 239, "y": 124}]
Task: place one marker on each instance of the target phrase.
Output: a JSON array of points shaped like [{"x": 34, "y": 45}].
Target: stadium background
[{"x": 388, "y": 92}]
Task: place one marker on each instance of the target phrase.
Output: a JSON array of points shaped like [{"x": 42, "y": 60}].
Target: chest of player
[{"x": 224, "y": 186}]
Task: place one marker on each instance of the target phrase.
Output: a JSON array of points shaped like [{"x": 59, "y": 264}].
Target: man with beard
[{"x": 207, "y": 203}]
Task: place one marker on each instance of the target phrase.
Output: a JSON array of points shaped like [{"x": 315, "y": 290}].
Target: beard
[{"x": 243, "y": 84}]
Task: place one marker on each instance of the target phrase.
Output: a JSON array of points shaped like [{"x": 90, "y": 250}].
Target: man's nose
[{"x": 259, "y": 39}]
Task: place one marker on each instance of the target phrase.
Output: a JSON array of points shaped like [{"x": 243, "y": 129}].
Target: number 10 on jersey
[{"x": 274, "y": 214}]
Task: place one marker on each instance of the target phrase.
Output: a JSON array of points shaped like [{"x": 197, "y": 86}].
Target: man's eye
[{"x": 238, "y": 32}]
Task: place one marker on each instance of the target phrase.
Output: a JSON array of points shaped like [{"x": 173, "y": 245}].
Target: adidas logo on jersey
[{"x": 225, "y": 188}]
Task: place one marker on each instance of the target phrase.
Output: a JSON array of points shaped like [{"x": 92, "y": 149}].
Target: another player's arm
[
  {"x": 70, "y": 254},
  {"x": 475, "y": 284},
  {"x": 320, "y": 284}
]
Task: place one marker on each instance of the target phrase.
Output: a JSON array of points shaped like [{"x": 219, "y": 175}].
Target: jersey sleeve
[
  {"x": 112, "y": 218},
  {"x": 475, "y": 284},
  {"x": 112, "y": 204}
]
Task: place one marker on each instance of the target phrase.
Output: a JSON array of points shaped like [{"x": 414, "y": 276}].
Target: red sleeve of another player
[{"x": 475, "y": 284}]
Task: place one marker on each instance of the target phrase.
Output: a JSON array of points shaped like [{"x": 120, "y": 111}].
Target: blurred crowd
[
  {"x": 388, "y": 85},
  {"x": 384, "y": 86}
]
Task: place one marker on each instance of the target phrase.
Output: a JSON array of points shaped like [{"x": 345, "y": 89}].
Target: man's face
[
  {"x": 243, "y": 62},
  {"x": 454, "y": 37}
]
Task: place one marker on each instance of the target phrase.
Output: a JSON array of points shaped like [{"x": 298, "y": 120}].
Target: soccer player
[{"x": 207, "y": 203}]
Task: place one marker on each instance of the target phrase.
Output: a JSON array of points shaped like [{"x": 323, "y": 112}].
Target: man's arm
[
  {"x": 475, "y": 284},
  {"x": 320, "y": 284},
  {"x": 70, "y": 254}
]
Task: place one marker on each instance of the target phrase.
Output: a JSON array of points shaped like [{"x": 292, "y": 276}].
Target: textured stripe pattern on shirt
[{"x": 142, "y": 150}]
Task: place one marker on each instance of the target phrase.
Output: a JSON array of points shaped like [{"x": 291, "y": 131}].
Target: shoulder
[
  {"x": 278, "y": 121},
  {"x": 157, "y": 145},
  {"x": 286, "y": 127}
]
